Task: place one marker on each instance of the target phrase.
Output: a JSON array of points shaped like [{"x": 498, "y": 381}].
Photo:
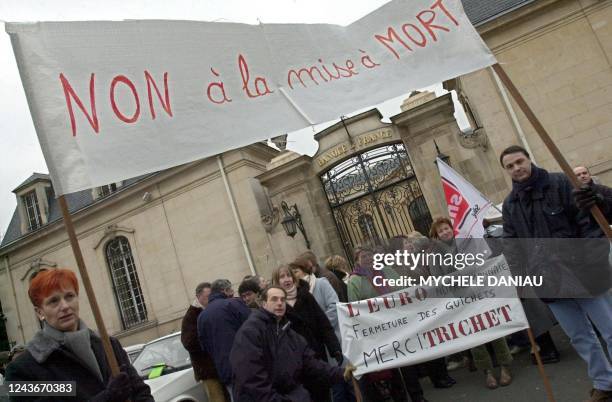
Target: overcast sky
[{"x": 20, "y": 153}]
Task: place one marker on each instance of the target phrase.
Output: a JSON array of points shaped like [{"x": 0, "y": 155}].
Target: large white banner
[
  {"x": 424, "y": 322},
  {"x": 113, "y": 100}
]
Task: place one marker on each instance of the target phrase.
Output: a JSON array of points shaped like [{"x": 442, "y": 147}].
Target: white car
[
  {"x": 165, "y": 366},
  {"x": 133, "y": 351}
]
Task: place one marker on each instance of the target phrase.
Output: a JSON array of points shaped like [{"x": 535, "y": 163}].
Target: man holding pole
[
  {"x": 584, "y": 176},
  {"x": 541, "y": 211}
]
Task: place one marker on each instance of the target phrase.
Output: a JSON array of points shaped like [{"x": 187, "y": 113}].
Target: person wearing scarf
[
  {"x": 291, "y": 294},
  {"x": 320, "y": 288},
  {"x": 66, "y": 350},
  {"x": 309, "y": 320},
  {"x": 548, "y": 231},
  {"x": 327, "y": 297},
  {"x": 361, "y": 287}
]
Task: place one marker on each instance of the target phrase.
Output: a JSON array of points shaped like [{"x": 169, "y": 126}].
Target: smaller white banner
[
  {"x": 422, "y": 323},
  {"x": 467, "y": 207}
]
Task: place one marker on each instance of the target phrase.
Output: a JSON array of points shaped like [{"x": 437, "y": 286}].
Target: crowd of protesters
[
  {"x": 279, "y": 340},
  {"x": 310, "y": 292}
]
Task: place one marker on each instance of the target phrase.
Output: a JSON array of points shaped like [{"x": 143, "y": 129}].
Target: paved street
[{"x": 569, "y": 381}]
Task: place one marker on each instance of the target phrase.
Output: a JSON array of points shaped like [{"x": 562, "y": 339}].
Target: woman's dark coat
[
  {"x": 46, "y": 360},
  {"x": 310, "y": 321}
]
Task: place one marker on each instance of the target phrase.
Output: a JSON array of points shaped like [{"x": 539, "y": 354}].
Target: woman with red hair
[{"x": 66, "y": 350}]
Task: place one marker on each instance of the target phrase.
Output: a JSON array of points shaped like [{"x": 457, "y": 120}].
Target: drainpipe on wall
[
  {"x": 10, "y": 279},
  {"x": 513, "y": 117},
  {"x": 232, "y": 201}
]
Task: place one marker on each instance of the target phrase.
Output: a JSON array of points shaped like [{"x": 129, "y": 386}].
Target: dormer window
[
  {"x": 30, "y": 202},
  {"x": 107, "y": 190},
  {"x": 33, "y": 197}
]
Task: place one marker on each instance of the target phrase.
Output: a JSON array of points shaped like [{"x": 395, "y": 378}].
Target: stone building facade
[
  {"x": 146, "y": 244},
  {"x": 148, "y": 241},
  {"x": 559, "y": 55}
]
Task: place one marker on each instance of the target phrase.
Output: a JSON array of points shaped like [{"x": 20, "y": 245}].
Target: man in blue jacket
[
  {"x": 549, "y": 231},
  {"x": 218, "y": 324}
]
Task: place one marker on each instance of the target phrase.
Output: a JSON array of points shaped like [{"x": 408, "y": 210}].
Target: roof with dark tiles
[
  {"x": 76, "y": 202},
  {"x": 478, "y": 11},
  {"x": 483, "y": 11},
  {"x": 32, "y": 179}
]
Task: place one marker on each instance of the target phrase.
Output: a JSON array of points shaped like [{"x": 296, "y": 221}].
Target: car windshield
[{"x": 168, "y": 351}]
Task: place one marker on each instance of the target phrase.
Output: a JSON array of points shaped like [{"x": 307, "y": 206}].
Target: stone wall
[{"x": 558, "y": 53}]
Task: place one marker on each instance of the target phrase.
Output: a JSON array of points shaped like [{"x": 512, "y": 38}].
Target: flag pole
[
  {"x": 438, "y": 160},
  {"x": 545, "y": 380},
  {"x": 552, "y": 147},
  {"x": 78, "y": 255}
]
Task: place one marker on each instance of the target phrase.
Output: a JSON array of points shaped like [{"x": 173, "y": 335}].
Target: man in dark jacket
[
  {"x": 203, "y": 365},
  {"x": 584, "y": 176},
  {"x": 218, "y": 324},
  {"x": 249, "y": 291},
  {"x": 541, "y": 211},
  {"x": 270, "y": 361}
]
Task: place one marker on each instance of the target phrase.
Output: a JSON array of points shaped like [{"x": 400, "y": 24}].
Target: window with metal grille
[
  {"x": 126, "y": 285},
  {"x": 32, "y": 210},
  {"x": 107, "y": 190}
]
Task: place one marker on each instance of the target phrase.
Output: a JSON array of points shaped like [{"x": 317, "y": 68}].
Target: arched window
[{"x": 126, "y": 285}]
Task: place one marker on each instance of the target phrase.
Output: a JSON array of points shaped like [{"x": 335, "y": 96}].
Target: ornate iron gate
[{"x": 375, "y": 196}]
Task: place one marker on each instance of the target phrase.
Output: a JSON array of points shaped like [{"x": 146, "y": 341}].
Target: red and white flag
[{"x": 467, "y": 207}]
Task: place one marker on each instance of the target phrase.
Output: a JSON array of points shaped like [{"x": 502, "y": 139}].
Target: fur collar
[{"x": 42, "y": 346}]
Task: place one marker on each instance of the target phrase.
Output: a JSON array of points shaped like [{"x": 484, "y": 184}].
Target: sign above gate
[{"x": 358, "y": 143}]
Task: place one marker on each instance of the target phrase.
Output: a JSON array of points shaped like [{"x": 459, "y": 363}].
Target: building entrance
[{"x": 374, "y": 196}]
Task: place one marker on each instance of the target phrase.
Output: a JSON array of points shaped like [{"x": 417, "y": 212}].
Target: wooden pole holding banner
[
  {"x": 76, "y": 249},
  {"x": 545, "y": 380},
  {"x": 357, "y": 390},
  {"x": 552, "y": 147}
]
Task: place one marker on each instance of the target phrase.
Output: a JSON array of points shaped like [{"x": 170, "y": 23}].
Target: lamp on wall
[
  {"x": 293, "y": 221},
  {"x": 445, "y": 158}
]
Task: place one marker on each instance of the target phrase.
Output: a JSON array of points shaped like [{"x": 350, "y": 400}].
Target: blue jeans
[
  {"x": 573, "y": 316},
  {"x": 229, "y": 390},
  {"x": 343, "y": 392}
]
